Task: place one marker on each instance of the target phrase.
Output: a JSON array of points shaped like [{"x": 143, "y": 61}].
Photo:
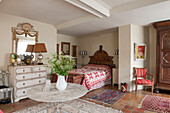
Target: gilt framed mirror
[
  {"x": 65, "y": 48},
  {"x": 22, "y": 35}
]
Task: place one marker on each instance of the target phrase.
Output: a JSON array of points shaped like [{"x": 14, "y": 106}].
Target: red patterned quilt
[{"x": 95, "y": 76}]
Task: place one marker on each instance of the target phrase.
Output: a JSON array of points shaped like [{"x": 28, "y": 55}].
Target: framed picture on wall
[
  {"x": 74, "y": 50},
  {"x": 57, "y": 49},
  {"x": 140, "y": 51},
  {"x": 65, "y": 48}
]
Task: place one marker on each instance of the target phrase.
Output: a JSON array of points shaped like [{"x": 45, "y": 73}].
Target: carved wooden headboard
[{"x": 101, "y": 57}]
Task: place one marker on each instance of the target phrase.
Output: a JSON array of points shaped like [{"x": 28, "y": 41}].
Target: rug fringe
[{"x": 140, "y": 105}]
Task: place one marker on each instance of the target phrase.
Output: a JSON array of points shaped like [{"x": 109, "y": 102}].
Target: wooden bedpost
[{"x": 100, "y": 47}]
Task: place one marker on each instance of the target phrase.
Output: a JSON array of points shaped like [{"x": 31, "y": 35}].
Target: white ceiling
[
  {"x": 74, "y": 21},
  {"x": 48, "y": 11}
]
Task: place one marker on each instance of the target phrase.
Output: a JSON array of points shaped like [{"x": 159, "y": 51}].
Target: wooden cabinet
[
  {"x": 23, "y": 78},
  {"x": 163, "y": 55}
]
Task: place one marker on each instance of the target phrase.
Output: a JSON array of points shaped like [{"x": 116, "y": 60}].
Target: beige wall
[
  {"x": 109, "y": 40},
  {"x": 152, "y": 48},
  {"x": 66, "y": 38},
  {"x": 47, "y": 34},
  {"x": 128, "y": 35},
  {"x": 124, "y": 54}
]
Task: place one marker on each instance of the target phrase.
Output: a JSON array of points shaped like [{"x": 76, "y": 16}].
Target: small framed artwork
[
  {"x": 65, "y": 48},
  {"x": 57, "y": 50},
  {"x": 74, "y": 50},
  {"x": 140, "y": 51}
]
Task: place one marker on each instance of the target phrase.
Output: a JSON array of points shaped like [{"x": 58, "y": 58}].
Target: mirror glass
[
  {"x": 65, "y": 48},
  {"x": 22, "y": 42}
]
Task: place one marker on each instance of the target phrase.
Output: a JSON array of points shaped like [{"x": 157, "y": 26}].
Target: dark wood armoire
[{"x": 163, "y": 55}]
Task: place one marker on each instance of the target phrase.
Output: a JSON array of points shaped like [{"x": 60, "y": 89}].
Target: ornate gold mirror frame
[{"x": 21, "y": 29}]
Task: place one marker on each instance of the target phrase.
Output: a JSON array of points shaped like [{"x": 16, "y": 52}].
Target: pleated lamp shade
[
  {"x": 39, "y": 48},
  {"x": 30, "y": 48}
]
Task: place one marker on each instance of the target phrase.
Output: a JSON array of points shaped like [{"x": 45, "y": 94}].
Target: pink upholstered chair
[{"x": 141, "y": 78}]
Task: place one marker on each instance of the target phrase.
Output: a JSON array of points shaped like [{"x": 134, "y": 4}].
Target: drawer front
[
  {"x": 39, "y": 69},
  {"x": 28, "y": 83},
  {"x": 39, "y": 81},
  {"x": 22, "y": 92},
  {"x": 24, "y": 76},
  {"x": 40, "y": 74},
  {"x": 30, "y": 76},
  {"x": 23, "y": 70},
  {"x": 24, "y": 83}
]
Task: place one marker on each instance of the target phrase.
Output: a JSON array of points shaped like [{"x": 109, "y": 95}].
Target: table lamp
[
  {"x": 83, "y": 53},
  {"x": 40, "y": 48},
  {"x": 30, "y": 49}
]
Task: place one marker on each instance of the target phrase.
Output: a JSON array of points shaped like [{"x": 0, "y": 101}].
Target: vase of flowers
[{"x": 60, "y": 64}]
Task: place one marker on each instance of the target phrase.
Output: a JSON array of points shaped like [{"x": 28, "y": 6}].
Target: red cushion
[
  {"x": 141, "y": 72},
  {"x": 144, "y": 81},
  {"x": 1, "y": 111}
]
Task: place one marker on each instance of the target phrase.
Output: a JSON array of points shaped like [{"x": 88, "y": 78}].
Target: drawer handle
[
  {"x": 23, "y": 76},
  {"x": 39, "y": 68},
  {"x": 24, "y": 92},
  {"x": 39, "y": 75},
  {"x": 39, "y": 81},
  {"x": 23, "y": 70},
  {"x": 23, "y": 83}
]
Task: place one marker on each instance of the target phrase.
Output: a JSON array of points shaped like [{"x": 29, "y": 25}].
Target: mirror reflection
[
  {"x": 21, "y": 44},
  {"x": 65, "y": 48}
]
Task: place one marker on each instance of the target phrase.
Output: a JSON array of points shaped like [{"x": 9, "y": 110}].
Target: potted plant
[{"x": 60, "y": 65}]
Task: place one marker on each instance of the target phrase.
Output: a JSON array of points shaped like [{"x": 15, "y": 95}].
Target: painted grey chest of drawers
[{"x": 23, "y": 78}]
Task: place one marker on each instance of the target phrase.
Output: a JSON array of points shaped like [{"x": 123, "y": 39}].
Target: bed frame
[{"x": 101, "y": 57}]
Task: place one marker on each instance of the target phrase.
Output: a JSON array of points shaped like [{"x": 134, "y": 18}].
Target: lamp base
[
  {"x": 40, "y": 63},
  {"x": 40, "y": 57}
]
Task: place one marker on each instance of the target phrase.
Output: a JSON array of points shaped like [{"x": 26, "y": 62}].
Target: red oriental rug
[
  {"x": 155, "y": 104},
  {"x": 107, "y": 96}
]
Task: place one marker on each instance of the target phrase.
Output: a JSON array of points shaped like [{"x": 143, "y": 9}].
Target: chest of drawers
[{"x": 23, "y": 78}]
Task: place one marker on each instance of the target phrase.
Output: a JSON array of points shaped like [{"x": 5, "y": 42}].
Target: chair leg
[
  {"x": 152, "y": 88},
  {"x": 136, "y": 89},
  {"x": 12, "y": 101},
  {"x": 4, "y": 95},
  {"x": 145, "y": 89}
]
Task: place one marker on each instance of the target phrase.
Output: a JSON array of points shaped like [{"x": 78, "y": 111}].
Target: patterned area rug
[
  {"x": 107, "y": 96},
  {"x": 74, "y": 106},
  {"x": 156, "y": 104}
]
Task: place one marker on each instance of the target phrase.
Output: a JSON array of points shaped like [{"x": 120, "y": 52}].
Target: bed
[{"x": 97, "y": 73}]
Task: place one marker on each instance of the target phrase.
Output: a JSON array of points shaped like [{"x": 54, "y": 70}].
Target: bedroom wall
[
  {"x": 152, "y": 47},
  {"x": 47, "y": 34},
  {"x": 67, "y": 38},
  {"x": 128, "y": 35},
  {"x": 109, "y": 40},
  {"x": 124, "y": 54}
]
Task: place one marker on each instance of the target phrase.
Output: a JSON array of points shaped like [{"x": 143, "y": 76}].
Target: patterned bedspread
[{"x": 95, "y": 76}]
